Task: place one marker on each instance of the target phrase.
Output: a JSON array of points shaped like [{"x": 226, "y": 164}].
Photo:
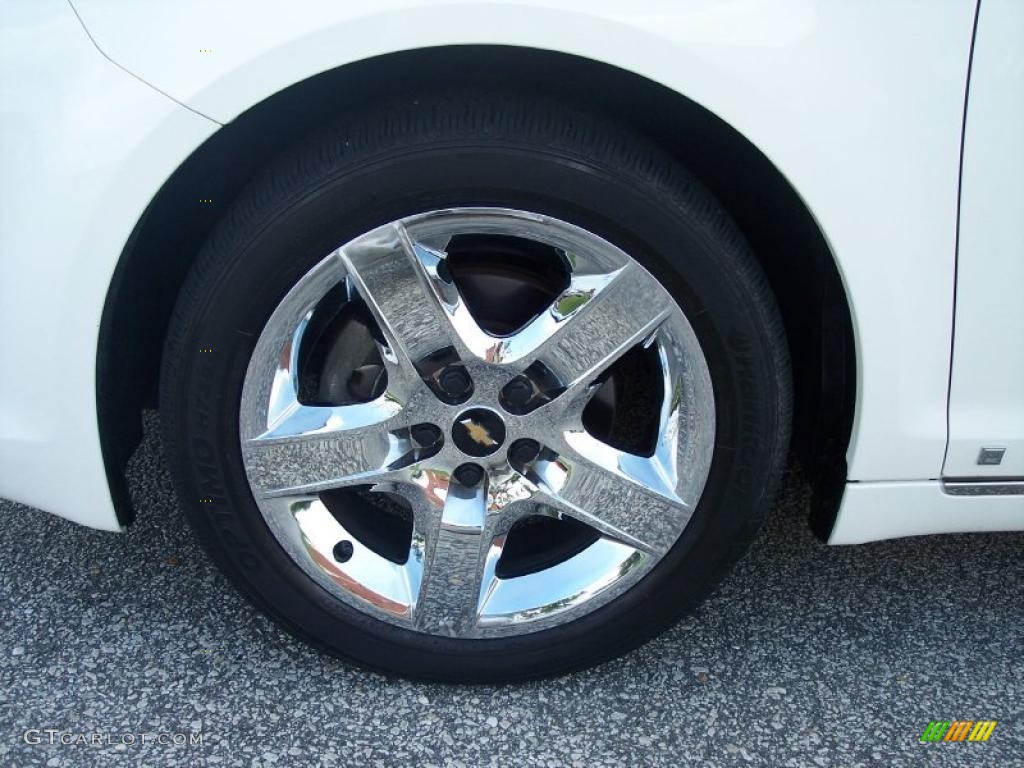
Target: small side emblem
[{"x": 991, "y": 456}]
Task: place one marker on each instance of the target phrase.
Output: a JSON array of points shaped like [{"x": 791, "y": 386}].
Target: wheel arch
[{"x": 778, "y": 223}]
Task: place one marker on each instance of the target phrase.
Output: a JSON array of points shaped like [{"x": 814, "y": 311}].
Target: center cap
[{"x": 478, "y": 432}]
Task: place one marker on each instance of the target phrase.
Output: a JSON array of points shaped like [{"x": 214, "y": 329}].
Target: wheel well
[{"x": 776, "y": 222}]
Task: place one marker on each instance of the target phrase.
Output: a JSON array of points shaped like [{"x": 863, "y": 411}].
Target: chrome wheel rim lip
[{"x": 448, "y": 586}]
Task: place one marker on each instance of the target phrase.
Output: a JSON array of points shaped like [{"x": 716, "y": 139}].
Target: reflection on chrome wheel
[{"x": 466, "y": 490}]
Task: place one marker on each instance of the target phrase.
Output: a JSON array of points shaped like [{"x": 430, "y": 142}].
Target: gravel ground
[{"x": 807, "y": 655}]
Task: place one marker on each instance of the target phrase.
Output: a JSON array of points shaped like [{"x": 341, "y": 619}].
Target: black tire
[{"x": 449, "y": 151}]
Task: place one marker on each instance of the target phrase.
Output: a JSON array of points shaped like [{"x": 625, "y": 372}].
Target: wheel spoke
[
  {"x": 596, "y": 327},
  {"x": 418, "y": 311},
  {"x": 624, "y": 496},
  {"x": 458, "y": 536},
  {"x": 315, "y": 448}
]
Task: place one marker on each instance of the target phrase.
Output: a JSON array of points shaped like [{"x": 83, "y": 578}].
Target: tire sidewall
[{"x": 677, "y": 238}]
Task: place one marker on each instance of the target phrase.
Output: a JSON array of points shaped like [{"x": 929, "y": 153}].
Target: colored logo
[
  {"x": 478, "y": 433},
  {"x": 958, "y": 730}
]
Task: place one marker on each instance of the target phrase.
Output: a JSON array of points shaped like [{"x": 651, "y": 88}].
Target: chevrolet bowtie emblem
[{"x": 478, "y": 433}]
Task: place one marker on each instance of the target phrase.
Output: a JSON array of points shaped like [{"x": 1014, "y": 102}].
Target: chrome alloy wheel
[{"x": 468, "y": 435}]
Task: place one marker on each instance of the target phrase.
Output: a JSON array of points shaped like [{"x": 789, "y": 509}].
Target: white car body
[{"x": 860, "y": 106}]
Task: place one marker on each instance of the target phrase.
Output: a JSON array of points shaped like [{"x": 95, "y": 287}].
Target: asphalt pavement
[{"x": 806, "y": 656}]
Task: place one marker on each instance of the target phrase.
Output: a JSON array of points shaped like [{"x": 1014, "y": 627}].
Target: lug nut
[
  {"x": 425, "y": 434},
  {"x": 523, "y": 451},
  {"x": 343, "y": 551},
  {"x": 454, "y": 381},
  {"x": 469, "y": 475},
  {"x": 518, "y": 392}
]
